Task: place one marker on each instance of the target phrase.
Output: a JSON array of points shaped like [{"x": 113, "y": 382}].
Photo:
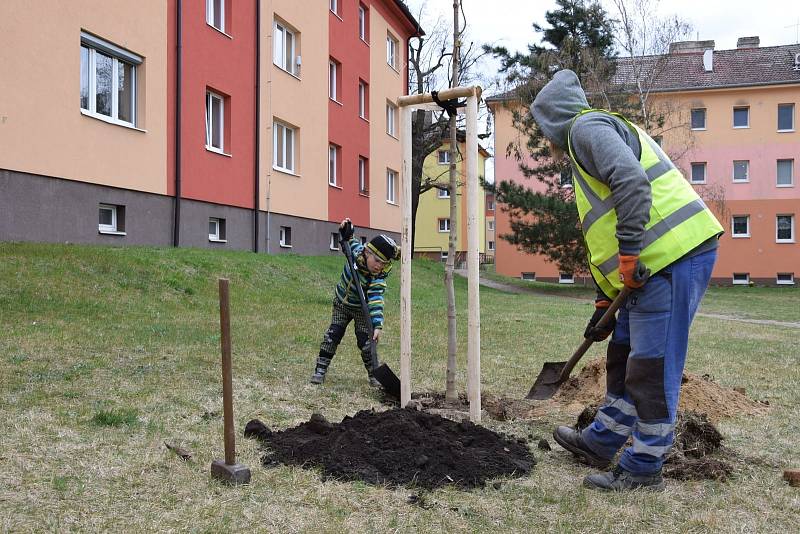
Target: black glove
[
  {"x": 346, "y": 229},
  {"x": 599, "y": 334}
]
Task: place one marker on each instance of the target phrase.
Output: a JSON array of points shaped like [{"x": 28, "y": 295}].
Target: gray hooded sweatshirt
[{"x": 604, "y": 146}]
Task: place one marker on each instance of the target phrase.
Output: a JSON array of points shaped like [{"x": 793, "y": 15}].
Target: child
[{"x": 373, "y": 263}]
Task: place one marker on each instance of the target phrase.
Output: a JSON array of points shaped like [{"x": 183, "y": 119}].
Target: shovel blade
[
  {"x": 548, "y": 381},
  {"x": 389, "y": 380}
]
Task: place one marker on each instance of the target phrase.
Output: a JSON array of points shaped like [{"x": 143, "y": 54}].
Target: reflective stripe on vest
[{"x": 679, "y": 219}]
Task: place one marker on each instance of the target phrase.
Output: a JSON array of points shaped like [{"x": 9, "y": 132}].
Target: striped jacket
[{"x": 373, "y": 286}]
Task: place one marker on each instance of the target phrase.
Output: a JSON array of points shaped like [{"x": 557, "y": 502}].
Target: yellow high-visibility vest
[{"x": 679, "y": 219}]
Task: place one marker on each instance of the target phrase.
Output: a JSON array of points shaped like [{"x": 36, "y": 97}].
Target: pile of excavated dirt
[
  {"x": 397, "y": 447},
  {"x": 698, "y": 394}
]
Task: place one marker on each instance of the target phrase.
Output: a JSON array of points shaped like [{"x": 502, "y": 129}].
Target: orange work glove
[
  {"x": 592, "y": 331},
  {"x": 632, "y": 272}
]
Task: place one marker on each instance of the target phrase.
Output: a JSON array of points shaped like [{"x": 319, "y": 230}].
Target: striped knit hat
[{"x": 385, "y": 248}]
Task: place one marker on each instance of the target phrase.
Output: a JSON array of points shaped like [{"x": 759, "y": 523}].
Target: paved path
[{"x": 508, "y": 288}]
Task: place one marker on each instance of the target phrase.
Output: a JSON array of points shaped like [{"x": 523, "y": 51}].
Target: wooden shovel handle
[{"x": 604, "y": 320}]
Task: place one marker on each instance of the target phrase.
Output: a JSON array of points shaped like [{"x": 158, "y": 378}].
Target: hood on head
[{"x": 557, "y": 104}]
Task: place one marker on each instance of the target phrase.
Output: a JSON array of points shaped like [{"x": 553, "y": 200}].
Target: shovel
[
  {"x": 382, "y": 373},
  {"x": 554, "y": 374}
]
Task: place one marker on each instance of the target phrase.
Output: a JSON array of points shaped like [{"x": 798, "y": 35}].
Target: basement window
[
  {"x": 528, "y": 276},
  {"x": 785, "y": 279},
  {"x": 216, "y": 230},
  {"x": 111, "y": 219},
  {"x": 286, "y": 237},
  {"x": 334, "y": 244},
  {"x": 741, "y": 279},
  {"x": 443, "y": 256},
  {"x": 566, "y": 278}
]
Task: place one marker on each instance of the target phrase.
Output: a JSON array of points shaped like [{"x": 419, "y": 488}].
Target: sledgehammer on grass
[{"x": 228, "y": 470}]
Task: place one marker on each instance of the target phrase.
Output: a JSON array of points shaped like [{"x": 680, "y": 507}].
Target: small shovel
[
  {"x": 382, "y": 373},
  {"x": 554, "y": 374}
]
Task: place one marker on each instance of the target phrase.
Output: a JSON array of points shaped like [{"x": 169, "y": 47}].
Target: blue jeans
[{"x": 654, "y": 322}]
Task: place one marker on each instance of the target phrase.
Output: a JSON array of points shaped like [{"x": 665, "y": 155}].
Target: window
[
  {"x": 111, "y": 219},
  {"x": 741, "y": 171},
  {"x": 334, "y": 244},
  {"x": 363, "y": 239},
  {"x": 785, "y": 279},
  {"x": 333, "y": 165},
  {"x": 362, "y": 23},
  {"x": 490, "y": 225},
  {"x": 740, "y": 226},
  {"x": 443, "y": 256},
  {"x": 490, "y": 245},
  {"x": 741, "y": 117},
  {"x": 444, "y": 225},
  {"x": 528, "y": 276},
  {"x": 215, "y": 122},
  {"x": 699, "y": 119},
  {"x": 391, "y": 51},
  {"x": 741, "y": 279},
  {"x": 108, "y": 81},
  {"x": 363, "y": 175},
  {"x": 363, "y": 99},
  {"x": 333, "y": 80},
  {"x": 335, "y": 6},
  {"x": 658, "y": 139},
  {"x": 698, "y": 173},
  {"x": 286, "y": 236},
  {"x": 785, "y": 173},
  {"x": 216, "y": 230},
  {"x": 391, "y": 116},
  {"x": 283, "y": 48},
  {"x": 785, "y": 117},
  {"x": 444, "y": 157},
  {"x": 565, "y": 179},
  {"x": 215, "y": 14},
  {"x": 284, "y": 140},
  {"x": 490, "y": 204},
  {"x": 391, "y": 186},
  {"x": 443, "y": 192},
  {"x": 566, "y": 278},
  {"x": 784, "y": 229}
]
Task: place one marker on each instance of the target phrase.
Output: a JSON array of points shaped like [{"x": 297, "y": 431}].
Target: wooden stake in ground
[{"x": 228, "y": 470}]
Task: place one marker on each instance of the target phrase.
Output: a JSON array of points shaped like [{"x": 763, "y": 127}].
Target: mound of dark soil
[{"x": 397, "y": 447}]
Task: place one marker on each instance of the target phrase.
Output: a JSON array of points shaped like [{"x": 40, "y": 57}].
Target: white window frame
[
  {"x": 530, "y": 277},
  {"x": 490, "y": 245},
  {"x": 443, "y": 157},
  {"x": 219, "y": 236},
  {"x": 747, "y": 108},
  {"x": 443, "y": 193},
  {"x": 333, "y": 86},
  {"x": 363, "y": 171},
  {"x": 211, "y": 125},
  {"x": 734, "y": 235},
  {"x": 705, "y": 118},
  {"x": 443, "y": 256},
  {"x": 791, "y": 220},
  {"x": 362, "y": 99},
  {"x": 280, "y": 32},
  {"x": 490, "y": 225},
  {"x": 284, "y": 233},
  {"x": 108, "y": 228},
  {"x": 391, "y": 186},
  {"x": 210, "y": 5},
  {"x": 791, "y": 172},
  {"x": 334, "y": 242},
  {"x": 333, "y": 165},
  {"x": 746, "y": 171},
  {"x": 392, "y": 47},
  {"x": 789, "y": 282},
  {"x": 691, "y": 172},
  {"x": 490, "y": 205},
  {"x": 118, "y": 56},
  {"x": 287, "y": 132},
  {"x": 444, "y": 228},
  {"x": 566, "y": 278},
  {"x": 362, "y": 22},
  {"x": 736, "y": 279},
  {"x": 391, "y": 119},
  {"x": 791, "y": 129}
]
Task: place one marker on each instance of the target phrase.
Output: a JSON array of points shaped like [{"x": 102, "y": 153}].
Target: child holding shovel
[{"x": 373, "y": 263}]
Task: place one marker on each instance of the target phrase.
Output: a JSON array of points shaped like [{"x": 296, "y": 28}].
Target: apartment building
[
  {"x": 433, "y": 224},
  {"x": 734, "y": 136},
  {"x": 255, "y": 124}
]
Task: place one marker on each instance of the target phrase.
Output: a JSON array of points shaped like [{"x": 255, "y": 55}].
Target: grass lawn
[{"x": 108, "y": 352}]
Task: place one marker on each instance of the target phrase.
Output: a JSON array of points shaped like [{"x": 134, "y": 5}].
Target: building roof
[
  {"x": 419, "y": 32},
  {"x": 685, "y": 71}
]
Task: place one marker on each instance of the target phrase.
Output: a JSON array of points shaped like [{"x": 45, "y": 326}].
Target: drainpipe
[
  {"x": 176, "y": 224},
  {"x": 257, "y": 151}
]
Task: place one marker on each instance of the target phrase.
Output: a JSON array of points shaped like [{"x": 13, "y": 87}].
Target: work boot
[
  {"x": 571, "y": 439},
  {"x": 323, "y": 361},
  {"x": 318, "y": 377},
  {"x": 373, "y": 382},
  {"x": 620, "y": 480}
]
